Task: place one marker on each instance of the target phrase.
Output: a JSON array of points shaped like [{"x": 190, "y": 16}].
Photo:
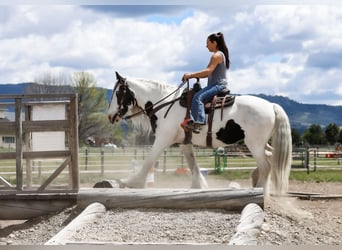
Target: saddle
[{"x": 219, "y": 101}]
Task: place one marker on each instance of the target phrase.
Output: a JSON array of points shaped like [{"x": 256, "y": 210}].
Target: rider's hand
[{"x": 186, "y": 77}]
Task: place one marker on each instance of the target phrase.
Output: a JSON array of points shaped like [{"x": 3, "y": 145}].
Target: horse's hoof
[{"x": 121, "y": 183}]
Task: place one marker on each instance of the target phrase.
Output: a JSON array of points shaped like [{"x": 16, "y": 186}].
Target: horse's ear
[{"x": 118, "y": 77}]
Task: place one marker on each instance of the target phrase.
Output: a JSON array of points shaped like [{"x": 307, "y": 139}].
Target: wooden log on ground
[
  {"x": 106, "y": 184},
  {"x": 247, "y": 232},
  {"x": 92, "y": 213},
  {"x": 24, "y": 210},
  {"x": 229, "y": 199},
  {"x": 314, "y": 196},
  {"x": 27, "y": 206}
]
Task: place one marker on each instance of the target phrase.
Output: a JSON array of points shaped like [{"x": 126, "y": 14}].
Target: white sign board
[{"x": 52, "y": 140}]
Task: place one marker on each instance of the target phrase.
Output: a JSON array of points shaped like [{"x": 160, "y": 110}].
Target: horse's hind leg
[
  {"x": 260, "y": 175},
  {"x": 198, "y": 180}
]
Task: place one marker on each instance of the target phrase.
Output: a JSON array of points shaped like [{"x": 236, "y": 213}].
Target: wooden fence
[{"x": 22, "y": 129}]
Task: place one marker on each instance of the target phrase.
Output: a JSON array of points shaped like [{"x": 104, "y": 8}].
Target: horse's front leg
[
  {"x": 198, "y": 180},
  {"x": 138, "y": 179}
]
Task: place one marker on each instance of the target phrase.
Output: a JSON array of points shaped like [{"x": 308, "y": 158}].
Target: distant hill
[
  {"x": 304, "y": 115},
  {"x": 301, "y": 115},
  {"x": 13, "y": 89}
]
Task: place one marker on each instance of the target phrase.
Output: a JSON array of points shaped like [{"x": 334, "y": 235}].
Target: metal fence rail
[{"x": 108, "y": 162}]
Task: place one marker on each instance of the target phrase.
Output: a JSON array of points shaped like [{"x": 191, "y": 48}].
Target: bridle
[{"x": 125, "y": 97}]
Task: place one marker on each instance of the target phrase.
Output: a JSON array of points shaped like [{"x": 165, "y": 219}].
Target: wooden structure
[
  {"x": 89, "y": 215},
  {"x": 46, "y": 111},
  {"x": 247, "y": 232},
  {"x": 28, "y": 205},
  {"x": 224, "y": 198},
  {"x": 22, "y": 127},
  {"x": 5, "y": 140},
  {"x": 44, "y": 140}
]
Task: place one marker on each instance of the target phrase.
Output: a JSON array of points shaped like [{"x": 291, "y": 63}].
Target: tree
[
  {"x": 332, "y": 133},
  {"x": 91, "y": 106},
  {"x": 48, "y": 83},
  {"x": 340, "y": 136},
  {"x": 296, "y": 138},
  {"x": 314, "y": 135},
  {"x": 49, "y": 78}
]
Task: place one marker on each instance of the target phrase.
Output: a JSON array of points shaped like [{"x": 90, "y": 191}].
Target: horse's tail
[{"x": 282, "y": 152}]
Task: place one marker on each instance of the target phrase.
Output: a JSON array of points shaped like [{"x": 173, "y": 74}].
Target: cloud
[
  {"x": 136, "y": 10},
  {"x": 292, "y": 50},
  {"x": 42, "y": 20}
]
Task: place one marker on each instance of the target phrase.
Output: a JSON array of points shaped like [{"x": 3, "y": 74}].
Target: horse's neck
[{"x": 150, "y": 90}]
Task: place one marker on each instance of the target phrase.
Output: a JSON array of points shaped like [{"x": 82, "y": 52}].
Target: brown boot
[{"x": 195, "y": 127}]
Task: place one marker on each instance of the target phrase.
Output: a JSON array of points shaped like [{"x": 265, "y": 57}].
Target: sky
[{"x": 276, "y": 47}]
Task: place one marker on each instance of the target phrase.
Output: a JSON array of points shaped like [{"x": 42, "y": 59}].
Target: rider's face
[{"x": 212, "y": 46}]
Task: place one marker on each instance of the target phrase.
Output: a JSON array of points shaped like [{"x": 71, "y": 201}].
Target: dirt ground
[{"x": 291, "y": 221}]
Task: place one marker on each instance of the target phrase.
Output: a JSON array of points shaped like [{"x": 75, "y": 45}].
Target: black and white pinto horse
[{"x": 258, "y": 120}]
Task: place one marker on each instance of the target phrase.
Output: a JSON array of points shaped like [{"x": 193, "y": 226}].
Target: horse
[{"x": 253, "y": 119}]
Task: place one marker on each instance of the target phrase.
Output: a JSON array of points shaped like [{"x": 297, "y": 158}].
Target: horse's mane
[
  {"x": 142, "y": 123},
  {"x": 156, "y": 85}
]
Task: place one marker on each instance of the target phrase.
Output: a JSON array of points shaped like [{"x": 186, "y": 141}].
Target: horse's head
[{"x": 124, "y": 96}]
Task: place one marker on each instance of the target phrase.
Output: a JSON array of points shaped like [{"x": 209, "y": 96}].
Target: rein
[{"x": 153, "y": 111}]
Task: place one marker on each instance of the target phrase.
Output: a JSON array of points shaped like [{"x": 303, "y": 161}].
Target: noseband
[{"x": 124, "y": 95}]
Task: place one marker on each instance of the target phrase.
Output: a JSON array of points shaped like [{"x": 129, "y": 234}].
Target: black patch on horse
[
  {"x": 150, "y": 113},
  {"x": 231, "y": 133}
]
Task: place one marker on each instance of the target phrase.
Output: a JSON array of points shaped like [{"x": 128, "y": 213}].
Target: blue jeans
[{"x": 197, "y": 113}]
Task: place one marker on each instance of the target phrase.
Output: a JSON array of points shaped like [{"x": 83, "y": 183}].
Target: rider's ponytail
[{"x": 221, "y": 44}]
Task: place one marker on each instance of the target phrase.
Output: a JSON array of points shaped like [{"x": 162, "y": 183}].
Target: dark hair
[{"x": 221, "y": 44}]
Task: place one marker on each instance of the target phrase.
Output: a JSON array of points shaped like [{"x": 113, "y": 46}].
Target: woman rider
[{"x": 217, "y": 81}]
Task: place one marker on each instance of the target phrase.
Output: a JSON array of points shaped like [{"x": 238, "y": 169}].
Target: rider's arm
[{"x": 215, "y": 59}]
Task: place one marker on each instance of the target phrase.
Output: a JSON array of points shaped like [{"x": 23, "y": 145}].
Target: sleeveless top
[{"x": 218, "y": 76}]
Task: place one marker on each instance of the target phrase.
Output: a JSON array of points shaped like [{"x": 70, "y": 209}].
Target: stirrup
[
  {"x": 189, "y": 124},
  {"x": 195, "y": 127}
]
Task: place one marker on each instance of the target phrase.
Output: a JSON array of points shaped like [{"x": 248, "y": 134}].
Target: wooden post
[
  {"x": 28, "y": 144},
  {"x": 86, "y": 159},
  {"x": 102, "y": 162},
  {"x": 164, "y": 162},
  {"x": 40, "y": 171},
  {"x": 73, "y": 142},
  {"x": 18, "y": 144},
  {"x": 182, "y": 159}
]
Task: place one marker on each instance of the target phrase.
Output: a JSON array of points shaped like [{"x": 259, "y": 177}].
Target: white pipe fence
[{"x": 105, "y": 161}]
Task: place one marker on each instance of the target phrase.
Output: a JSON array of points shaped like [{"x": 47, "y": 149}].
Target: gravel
[
  {"x": 291, "y": 222},
  {"x": 161, "y": 226}
]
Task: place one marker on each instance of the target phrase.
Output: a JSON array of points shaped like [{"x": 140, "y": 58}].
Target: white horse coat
[{"x": 258, "y": 119}]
